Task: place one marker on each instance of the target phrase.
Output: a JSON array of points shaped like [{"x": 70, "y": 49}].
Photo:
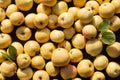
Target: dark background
[{"x": 33, "y": 10}]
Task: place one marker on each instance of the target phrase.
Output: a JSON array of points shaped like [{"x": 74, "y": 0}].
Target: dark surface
[{"x": 33, "y": 10}]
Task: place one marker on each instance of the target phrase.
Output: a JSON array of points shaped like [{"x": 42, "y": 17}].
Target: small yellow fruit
[
  {"x": 85, "y": 15},
  {"x": 5, "y": 3},
  {"x": 78, "y": 26},
  {"x": 49, "y": 3},
  {"x": 1, "y": 55},
  {"x": 116, "y": 3},
  {"x": 106, "y": 10},
  {"x": 102, "y": 1},
  {"x": 98, "y": 76}
]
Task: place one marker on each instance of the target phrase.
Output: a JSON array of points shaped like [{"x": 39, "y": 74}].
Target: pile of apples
[{"x": 47, "y": 39}]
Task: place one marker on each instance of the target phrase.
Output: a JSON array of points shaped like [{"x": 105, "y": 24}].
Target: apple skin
[
  {"x": 10, "y": 9},
  {"x": 5, "y": 3},
  {"x": 85, "y": 68},
  {"x": 38, "y": 62},
  {"x": 23, "y": 33},
  {"x": 51, "y": 69},
  {"x": 23, "y": 60},
  {"x": 60, "y": 57},
  {"x": 17, "y": 18},
  {"x": 8, "y": 68},
  {"x": 64, "y": 21},
  {"x": 1, "y": 56},
  {"x": 2, "y": 14},
  {"x": 25, "y": 74},
  {"x": 60, "y": 7},
  {"x": 31, "y": 48},
  {"x": 47, "y": 49},
  {"x": 5, "y": 40},
  {"x": 68, "y": 72},
  {"x": 24, "y": 5},
  {"x": 41, "y": 74},
  {"x": 49, "y": 3},
  {"x": 113, "y": 69},
  {"x": 98, "y": 76},
  {"x": 6, "y": 26}
]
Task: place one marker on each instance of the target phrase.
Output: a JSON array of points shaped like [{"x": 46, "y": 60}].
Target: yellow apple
[
  {"x": 42, "y": 35},
  {"x": 79, "y": 3},
  {"x": 5, "y": 40},
  {"x": 57, "y": 36},
  {"x": 78, "y": 41},
  {"x": 116, "y": 3},
  {"x": 78, "y": 26},
  {"x": 60, "y": 57},
  {"x": 6, "y": 26},
  {"x": 17, "y": 18},
  {"x": 24, "y": 5},
  {"x": 23, "y": 33},
  {"x": 46, "y": 50},
  {"x": 1, "y": 55},
  {"x": 98, "y": 76},
  {"x": 5, "y": 3},
  {"x": 10, "y": 9},
  {"x": 49, "y": 3},
  {"x": 85, "y": 68},
  {"x": 29, "y": 20},
  {"x": 41, "y": 8},
  {"x": 41, "y": 20},
  {"x": 60, "y": 7}
]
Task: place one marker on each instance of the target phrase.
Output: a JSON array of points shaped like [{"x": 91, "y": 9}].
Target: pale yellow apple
[
  {"x": 78, "y": 41},
  {"x": 6, "y": 26},
  {"x": 98, "y": 76},
  {"x": 113, "y": 50},
  {"x": 60, "y": 7},
  {"x": 51, "y": 69},
  {"x": 37, "y": 1},
  {"x": 53, "y": 21},
  {"x": 46, "y": 50},
  {"x": 10, "y": 9},
  {"x": 1, "y": 55},
  {"x": 101, "y": 62},
  {"x": 41, "y": 20},
  {"x": 85, "y": 14},
  {"x": 66, "y": 19},
  {"x": 79, "y": 3},
  {"x": 102, "y": 1},
  {"x": 78, "y": 26},
  {"x": 24, "y": 5},
  {"x": 29, "y": 20},
  {"x": 5, "y": 40},
  {"x": 49, "y": 3},
  {"x": 57, "y": 36},
  {"x": 23, "y": 60},
  {"x": 31, "y": 48},
  {"x": 42, "y": 35},
  {"x": 68, "y": 72},
  {"x": 106, "y": 10},
  {"x": 113, "y": 69},
  {"x": 74, "y": 11},
  {"x": 115, "y": 20},
  {"x": 89, "y": 31},
  {"x": 65, "y": 44},
  {"x": 76, "y": 55},
  {"x": 38, "y": 62},
  {"x": 24, "y": 74},
  {"x": 97, "y": 20},
  {"x": 23, "y": 33},
  {"x": 60, "y": 57},
  {"x": 69, "y": 33},
  {"x": 116, "y": 3},
  {"x": 94, "y": 47},
  {"x": 5, "y": 3},
  {"x": 94, "y": 5},
  {"x": 17, "y": 18},
  {"x": 41, "y": 8},
  {"x": 85, "y": 68},
  {"x": 8, "y": 68},
  {"x": 41, "y": 74},
  {"x": 2, "y": 14},
  {"x": 18, "y": 46}
]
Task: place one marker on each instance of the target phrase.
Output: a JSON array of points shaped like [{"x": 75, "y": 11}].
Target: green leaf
[
  {"x": 12, "y": 52},
  {"x": 6, "y": 56},
  {"x": 104, "y": 25},
  {"x": 108, "y": 37}
]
